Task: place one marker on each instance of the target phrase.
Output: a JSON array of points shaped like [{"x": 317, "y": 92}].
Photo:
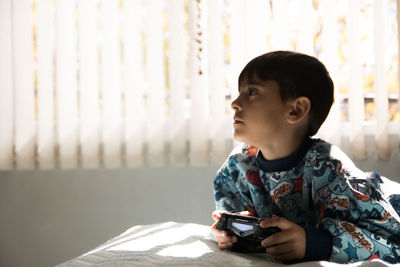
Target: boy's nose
[{"x": 235, "y": 105}]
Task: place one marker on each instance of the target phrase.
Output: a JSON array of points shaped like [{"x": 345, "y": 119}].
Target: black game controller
[{"x": 248, "y": 231}]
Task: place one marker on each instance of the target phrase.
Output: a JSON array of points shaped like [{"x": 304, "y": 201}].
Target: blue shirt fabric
[{"x": 346, "y": 214}]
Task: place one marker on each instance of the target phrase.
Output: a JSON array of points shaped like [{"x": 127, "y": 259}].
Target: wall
[{"x": 48, "y": 217}]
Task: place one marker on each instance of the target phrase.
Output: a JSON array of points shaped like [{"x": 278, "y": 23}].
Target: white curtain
[{"x": 131, "y": 83}]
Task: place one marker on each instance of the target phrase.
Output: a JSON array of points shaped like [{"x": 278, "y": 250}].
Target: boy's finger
[
  {"x": 276, "y": 221},
  {"x": 225, "y": 245},
  {"x": 217, "y": 232},
  {"x": 279, "y": 249},
  {"x": 227, "y": 239},
  {"x": 276, "y": 239},
  {"x": 216, "y": 215},
  {"x": 214, "y": 228}
]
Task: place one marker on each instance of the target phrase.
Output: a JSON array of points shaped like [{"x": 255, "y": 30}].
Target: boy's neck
[{"x": 281, "y": 148}]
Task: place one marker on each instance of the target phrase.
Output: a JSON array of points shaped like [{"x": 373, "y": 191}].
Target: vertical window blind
[{"x": 131, "y": 83}]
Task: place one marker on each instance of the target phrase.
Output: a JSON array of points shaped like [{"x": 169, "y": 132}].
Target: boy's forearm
[{"x": 352, "y": 243}]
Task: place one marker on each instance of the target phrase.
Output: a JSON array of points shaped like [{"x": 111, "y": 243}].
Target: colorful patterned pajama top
[{"x": 346, "y": 213}]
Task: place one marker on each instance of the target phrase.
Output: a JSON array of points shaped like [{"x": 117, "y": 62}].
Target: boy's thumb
[{"x": 216, "y": 215}]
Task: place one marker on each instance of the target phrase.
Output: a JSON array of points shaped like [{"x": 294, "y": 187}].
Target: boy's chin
[
  {"x": 244, "y": 139},
  {"x": 240, "y": 137}
]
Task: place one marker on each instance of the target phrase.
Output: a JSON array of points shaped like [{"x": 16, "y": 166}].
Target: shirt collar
[{"x": 285, "y": 163}]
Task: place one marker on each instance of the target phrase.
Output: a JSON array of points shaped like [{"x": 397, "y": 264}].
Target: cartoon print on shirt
[
  {"x": 298, "y": 184},
  {"x": 254, "y": 177},
  {"x": 280, "y": 191},
  {"x": 321, "y": 191}
]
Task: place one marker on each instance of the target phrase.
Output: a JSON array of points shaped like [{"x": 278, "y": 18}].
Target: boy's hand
[
  {"x": 224, "y": 240},
  {"x": 289, "y": 244}
]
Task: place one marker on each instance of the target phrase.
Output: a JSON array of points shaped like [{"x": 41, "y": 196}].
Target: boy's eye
[{"x": 252, "y": 91}]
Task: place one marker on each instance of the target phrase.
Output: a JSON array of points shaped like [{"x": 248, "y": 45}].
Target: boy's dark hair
[{"x": 297, "y": 75}]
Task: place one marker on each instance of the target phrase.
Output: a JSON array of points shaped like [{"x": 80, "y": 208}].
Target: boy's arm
[
  {"x": 364, "y": 226},
  {"x": 230, "y": 194},
  {"x": 227, "y": 198}
]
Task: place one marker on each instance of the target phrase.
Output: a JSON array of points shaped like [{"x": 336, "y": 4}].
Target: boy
[{"x": 326, "y": 208}]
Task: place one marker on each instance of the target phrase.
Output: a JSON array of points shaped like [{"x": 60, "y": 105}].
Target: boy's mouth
[{"x": 237, "y": 120}]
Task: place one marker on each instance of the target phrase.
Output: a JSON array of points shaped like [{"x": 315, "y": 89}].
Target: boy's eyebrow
[
  {"x": 254, "y": 84},
  {"x": 251, "y": 84}
]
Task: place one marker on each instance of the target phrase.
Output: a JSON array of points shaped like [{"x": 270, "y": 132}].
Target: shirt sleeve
[
  {"x": 231, "y": 192},
  {"x": 363, "y": 224}
]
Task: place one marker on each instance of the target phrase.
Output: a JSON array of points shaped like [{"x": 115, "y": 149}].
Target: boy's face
[{"x": 260, "y": 114}]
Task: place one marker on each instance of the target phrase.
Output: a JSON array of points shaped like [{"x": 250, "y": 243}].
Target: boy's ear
[{"x": 298, "y": 109}]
